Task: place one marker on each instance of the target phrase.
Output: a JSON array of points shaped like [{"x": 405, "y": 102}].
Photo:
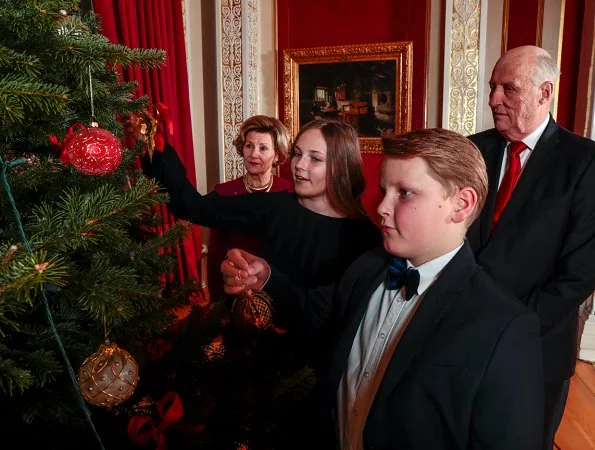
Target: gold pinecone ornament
[
  {"x": 253, "y": 310},
  {"x": 108, "y": 377}
]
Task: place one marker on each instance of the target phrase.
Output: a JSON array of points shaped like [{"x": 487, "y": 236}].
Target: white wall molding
[{"x": 194, "y": 53}]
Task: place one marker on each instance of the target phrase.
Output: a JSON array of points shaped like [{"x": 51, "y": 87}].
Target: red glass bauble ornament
[{"x": 94, "y": 151}]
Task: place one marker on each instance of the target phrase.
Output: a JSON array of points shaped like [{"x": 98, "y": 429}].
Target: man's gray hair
[{"x": 545, "y": 69}]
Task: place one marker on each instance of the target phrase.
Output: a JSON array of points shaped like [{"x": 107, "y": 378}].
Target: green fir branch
[
  {"x": 43, "y": 365},
  {"x": 13, "y": 378},
  {"x": 295, "y": 387},
  {"x": 20, "y": 95},
  {"x": 26, "y": 275},
  {"x": 26, "y": 17},
  {"x": 94, "y": 50},
  {"x": 19, "y": 63},
  {"x": 168, "y": 239},
  {"x": 114, "y": 295},
  {"x": 80, "y": 220}
]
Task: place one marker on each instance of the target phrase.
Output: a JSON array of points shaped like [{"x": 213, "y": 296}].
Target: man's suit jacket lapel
[
  {"x": 537, "y": 167},
  {"x": 434, "y": 304}
]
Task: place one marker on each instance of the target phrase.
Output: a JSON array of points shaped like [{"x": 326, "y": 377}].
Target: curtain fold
[{"x": 159, "y": 24}]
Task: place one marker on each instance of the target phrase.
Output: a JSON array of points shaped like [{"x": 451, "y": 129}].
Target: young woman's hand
[{"x": 242, "y": 271}]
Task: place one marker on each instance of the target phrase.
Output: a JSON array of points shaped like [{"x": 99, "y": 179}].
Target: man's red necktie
[{"x": 510, "y": 178}]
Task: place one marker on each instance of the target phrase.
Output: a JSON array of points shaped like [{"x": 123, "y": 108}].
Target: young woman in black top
[{"x": 312, "y": 234}]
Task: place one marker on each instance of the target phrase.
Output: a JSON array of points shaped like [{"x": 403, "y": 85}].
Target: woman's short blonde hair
[{"x": 269, "y": 125}]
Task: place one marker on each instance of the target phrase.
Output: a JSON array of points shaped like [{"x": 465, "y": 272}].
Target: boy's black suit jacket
[
  {"x": 466, "y": 374},
  {"x": 543, "y": 248}
]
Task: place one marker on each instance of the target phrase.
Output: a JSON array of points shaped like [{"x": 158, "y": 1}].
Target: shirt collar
[
  {"x": 531, "y": 140},
  {"x": 430, "y": 270}
]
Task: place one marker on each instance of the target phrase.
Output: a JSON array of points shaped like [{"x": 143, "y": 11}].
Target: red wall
[
  {"x": 523, "y": 18},
  {"x": 571, "y": 47},
  {"x": 315, "y": 23}
]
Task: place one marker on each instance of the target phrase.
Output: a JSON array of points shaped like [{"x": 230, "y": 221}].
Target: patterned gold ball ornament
[
  {"x": 108, "y": 377},
  {"x": 215, "y": 350},
  {"x": 242, "y": 445},
  {"x": 253, "y": 310}
]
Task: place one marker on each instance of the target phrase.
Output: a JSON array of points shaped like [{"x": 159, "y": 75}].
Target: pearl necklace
[{"x": 265, "y": 188}]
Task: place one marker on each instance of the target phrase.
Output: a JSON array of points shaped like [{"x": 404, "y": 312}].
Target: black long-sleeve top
[{"x": 310, "y": 248}]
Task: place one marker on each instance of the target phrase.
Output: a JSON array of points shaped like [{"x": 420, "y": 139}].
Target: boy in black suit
[{"x": 426, "y": 351}]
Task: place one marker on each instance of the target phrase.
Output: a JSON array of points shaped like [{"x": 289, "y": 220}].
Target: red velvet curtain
[{"x": 159, "y": 24}]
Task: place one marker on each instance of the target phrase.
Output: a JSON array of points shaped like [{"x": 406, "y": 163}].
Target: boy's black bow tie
[{"x": 400, "y": 275}]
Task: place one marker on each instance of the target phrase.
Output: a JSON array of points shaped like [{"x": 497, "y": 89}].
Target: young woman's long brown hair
[{"x": 345, "y": 181}]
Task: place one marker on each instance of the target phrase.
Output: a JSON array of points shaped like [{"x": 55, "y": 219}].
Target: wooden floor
[{"x": 577, "y": 430}]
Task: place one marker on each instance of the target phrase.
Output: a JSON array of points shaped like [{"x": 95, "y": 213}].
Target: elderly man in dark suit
[
  {"x": 427, "y": 352},
  {"x": 536, "y": 233}
]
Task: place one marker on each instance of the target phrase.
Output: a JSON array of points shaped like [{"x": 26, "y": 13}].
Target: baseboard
[
  {"x": 587, "y": 354},
  {"x": 588, "y": 340}
]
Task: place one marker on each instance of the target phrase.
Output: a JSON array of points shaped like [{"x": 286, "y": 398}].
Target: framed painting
[{"x": 367, "y": 86}]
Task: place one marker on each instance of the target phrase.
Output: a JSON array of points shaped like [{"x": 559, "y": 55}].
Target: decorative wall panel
[
  {"x": 250, "y": 50},
  {"x": 239, "y": 57},
  {"x": 462, "y": 65}
]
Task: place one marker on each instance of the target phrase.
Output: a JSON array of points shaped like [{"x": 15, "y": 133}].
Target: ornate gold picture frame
[{"x": 368, "y": 86}]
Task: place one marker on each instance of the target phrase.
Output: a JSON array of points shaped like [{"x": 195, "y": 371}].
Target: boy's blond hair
[{"x": 453, "y": 160}]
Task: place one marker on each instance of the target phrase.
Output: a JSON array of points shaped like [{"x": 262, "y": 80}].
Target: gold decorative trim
[
  {"x": 539, "y": 30},
  {"x": 464, "y": 66},
  {"x": 231, "y": 83},
  {"x": 401, "y": 52},
  {"x": 276, "y": 82},
  {"x": 251, "y": 55},
  {"x": 559, "y": 57},
  {"x": 427, "y": 60},
  {"x": 539, "y": 27},
  {"x": 584, "y": 122},
  {"x": 505, "y": 11}
]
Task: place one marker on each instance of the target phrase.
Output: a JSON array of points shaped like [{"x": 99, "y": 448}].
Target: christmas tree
[
  {"x": 79, "y": 261},
  {"x": 81, "y": 265}
]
